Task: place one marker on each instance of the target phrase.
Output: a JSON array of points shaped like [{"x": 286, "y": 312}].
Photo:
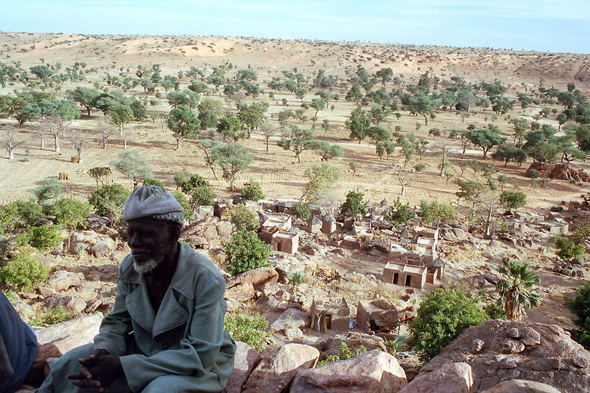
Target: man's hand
[{"x": 97, "y": 372}]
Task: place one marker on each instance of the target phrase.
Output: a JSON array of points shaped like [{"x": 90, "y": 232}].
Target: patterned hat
[{"x": 152, "y": 202}]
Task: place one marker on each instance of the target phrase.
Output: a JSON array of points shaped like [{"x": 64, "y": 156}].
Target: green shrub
[
  {"x": 244, "y": 217},
  {"x": 19, "y": 214},
  {"x": 45, "y": 237},
  {"x": 250, "y": 330},
  {"x": 435, "y": 132},
  {"x": 49, "y": 189},
  {"x": 420, "y": 167},
  {"x": 396, "y": 344},
  {"x": 301, "y": 210},
  {"x": 556, "y": 209},
  {"x": 580, "y": 307},
  {"x": 109, "y": 199},
  {"x": 434, "y": 211},
  {"x": 70, "y": 211},
  {"x": 154, "y": 182},
  {"x": 100, "y": 174},
  {"x": 23, "y": 271},
  {"x": 532, "y": 173},
  {"x": 252, "y": 192},
  {"x": 400, "y": 214},
  {"x": 443, "y": 315},
  {"x": 568, "y": 250},
  {"x": 354, "y": 203},
  {"x": 53, "y": 317},
  {"x": 187, "y": 210},
  {"x": 344, "y": 354},
  {"x": 202, "y": 196},
  {"x": 188, "y": 183},
  {"x": 245, "y": 252}
]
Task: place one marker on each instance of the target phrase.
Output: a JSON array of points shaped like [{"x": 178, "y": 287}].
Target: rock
[
  {"x": 518, "y": 385},
  {"x": 256, "y": 277},
  {"x": 519, "y": 350},
  {"x": 46, "y": 291},
  {"x": 69, "y": 303},
  {"x": 56, "y": 340},
  {"x": 246, "y": 359},
  {"x": 292, "y": 318},
  {"x": 62, "y": 280},
  {"x": 477, "y": 345},
  {"x": 450, "y": 378},
  {"x": 25, "y": 311},
  {"x": 210, "y": 234},
  {"x": 76, "y": 305},
  {"x": 275, "y": 373},
  {"x": 460, "y": 234},
  {"x": 103, "y": 247},
  {"x": 373, "y": 371},
  {"x": 224, "y": 229},
  {"x": 293, "y": 333}
]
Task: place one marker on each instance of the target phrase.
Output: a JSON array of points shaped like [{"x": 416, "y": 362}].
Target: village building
[
  {"x": 330, "y": 315},
  {"x": 328, "y": 224},
  {"x": 406, "y": 275},
  {"x": 285, "y": 242},
  {"x": 314, "y": 225},
  {"x": 377, "y": 316}
]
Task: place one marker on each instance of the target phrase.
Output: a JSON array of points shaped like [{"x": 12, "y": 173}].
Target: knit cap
[{"x": 153, "y": 202}]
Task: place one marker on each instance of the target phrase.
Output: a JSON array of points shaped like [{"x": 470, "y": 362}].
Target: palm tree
[{"x": 514, "y": 287}]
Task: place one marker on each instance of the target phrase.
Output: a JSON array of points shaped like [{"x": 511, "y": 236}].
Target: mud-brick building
[
  {"x": 330, "y": 315},
  {"x": 285, "y": 242},
  {"x": 407, "y": 275}
]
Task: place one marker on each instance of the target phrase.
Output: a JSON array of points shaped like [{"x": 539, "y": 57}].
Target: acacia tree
[
  {"x": 268, "y": 130},
  {"x": 55, "y": 126},
  {"x": 232, "y": 159},
  {"x": 231, "y": 128},
  {"x": 206, "y": 145},
  {"x": 134, "y": 166},
  {"x": 86, "y": 97},
  {"x": 485, "y": 139},
  {"x": 515, "y": 288},
  {"x": 184, "y": 124},
  {"x": 358, "y": 124},
  {"x": 120, "y": 115},
  {"x": 298, "y": 140}
]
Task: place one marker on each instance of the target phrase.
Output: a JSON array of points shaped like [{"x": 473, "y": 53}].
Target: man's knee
[{"x": 184, "y": 384}]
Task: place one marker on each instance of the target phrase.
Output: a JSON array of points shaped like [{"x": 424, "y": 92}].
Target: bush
[
  {"x": 23, "y": 271},
  {"x": 42, "y": 238},
  {"x": 419, "y": 167},
  {"x": 443, "y": 315},
  {"x": 344, "y": 354},
  {"x": 49, "y": 189},
  {"x": 400, "y": 214},
  {"x": 354, "y": 203},
  {"x": 513, "y": 199},
  {"x": 109, "y": 199},
  {"x": 245, "y": 252},
  {"x": 301, "y": 210},
  {"x": 435, "y": 132},
  {"x": 556, "y": 209},
  {"x": 70, "y": 211},
  {"x": 202, "y": 196},
  {"x": 19, "y": 214},
  {"x": 435, "y": 211},
  {"x": 188, "y": 183},
  {"x": 580, "y": 307},
  {"x": 187, "y": 210},
  {"x": 154, "y": 182},
  {"x": 53, "y": 317},
  {"x": 532, "y": 173},
  {"x": 568, "y": 250},
  {"x": 252, "y": 192},
  {"x": 250, "y": 330},
  {"x": 244, "y": 217}
]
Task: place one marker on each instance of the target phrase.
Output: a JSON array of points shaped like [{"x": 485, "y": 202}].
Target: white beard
[{"x": 145, "y": 267}]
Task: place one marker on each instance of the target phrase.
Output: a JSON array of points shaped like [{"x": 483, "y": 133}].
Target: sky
[{"x": 539, "y": 25}]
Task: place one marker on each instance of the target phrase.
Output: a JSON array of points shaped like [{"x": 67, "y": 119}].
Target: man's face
[{"x": 150, "y": 242}]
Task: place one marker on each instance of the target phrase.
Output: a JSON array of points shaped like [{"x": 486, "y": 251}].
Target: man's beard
[{"x": 147, "y": 266}]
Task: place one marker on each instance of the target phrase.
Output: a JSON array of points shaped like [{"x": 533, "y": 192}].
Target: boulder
[
  {"x": 256, "y": 277},
  {"x": 62, "y": 280},
  {"x": 275, "y": 373},
  {"x": 372, "y": 372},
  {"x": 69, "y": 303},
  {"x": 224, "y": 230},
  {"x": 103, "y": 247},
  {"x": 291, "y": 318},
  {"x": 246, "y": 359},
  {"x": 518, "y": 350},
  {"x": 56, "y": 340},
  {"x": 519, "y": 385},
  {"x": 450, "y": 378}
]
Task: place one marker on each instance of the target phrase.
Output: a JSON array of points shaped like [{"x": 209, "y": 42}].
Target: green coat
[{"x": 186, "y": 338}]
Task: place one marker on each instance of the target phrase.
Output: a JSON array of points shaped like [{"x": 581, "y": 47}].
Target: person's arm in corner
[{"x": 6, "y": 371}]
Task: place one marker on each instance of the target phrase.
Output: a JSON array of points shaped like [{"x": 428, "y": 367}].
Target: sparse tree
[
  {"x": 10, "y": 140},
  {"x": 268, "y": 130},
  {"x": 79, "y": 143},
  {"x": 120, "y": 115},
  {"x": 131, "y": 164},
  {"x": 298, "y": 140},
  {"x": 184, "y": 124},
  {"x": 232, "y": 159},
  {"x": 104, "y": 129}
]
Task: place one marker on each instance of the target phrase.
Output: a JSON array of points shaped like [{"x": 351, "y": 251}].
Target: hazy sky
[{"x": 542, "y": 25}]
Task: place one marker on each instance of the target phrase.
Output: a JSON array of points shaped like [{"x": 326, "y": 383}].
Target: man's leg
[
  {"x": 56, "y": 382},
  {"x": 208, "y": 383}
]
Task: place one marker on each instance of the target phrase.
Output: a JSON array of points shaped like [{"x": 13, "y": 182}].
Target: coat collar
[{"x": 171, "y": 314}]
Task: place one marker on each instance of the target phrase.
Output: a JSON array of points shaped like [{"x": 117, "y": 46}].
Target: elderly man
[{"x": 165, "y": 332}]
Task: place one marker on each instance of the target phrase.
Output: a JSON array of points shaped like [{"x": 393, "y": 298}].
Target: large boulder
[
  {"x": 291, "y": 318},
  {"x": 372, "y": 372},
  {"x": 62, "y": 280},
  {"x": 450, "y": 378},
  {"x": 498, "y": 351},
  {"x": 256, "y": 277},
  {"x": 519, "y": 385},
  {"x": 246, "y": 359},
  {"x": 275, "y": 373}
]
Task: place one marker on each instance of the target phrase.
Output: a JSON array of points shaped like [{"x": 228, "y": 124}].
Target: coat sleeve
[
  {"x": 199, "y": 350},
  {"x": 116, "y": 326},
  {"x": 6, "y": 371}
]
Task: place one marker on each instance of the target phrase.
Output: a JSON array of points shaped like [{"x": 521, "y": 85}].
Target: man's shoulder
[{"x": 198, "y": 263}]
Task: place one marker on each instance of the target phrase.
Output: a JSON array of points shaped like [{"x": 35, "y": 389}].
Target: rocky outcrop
[
  {"x": 275, "y": 373},
  {"x": 518, "y": 385},
  {"x": 559, "y": 171},
  {"x": 498, "y": 351},
  {"x": 246, "y": 359},
  {"x": 450, "y": 378},
  {"x": 371, "y": 372}
]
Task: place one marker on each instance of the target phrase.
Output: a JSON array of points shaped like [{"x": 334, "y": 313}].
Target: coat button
[{"x": 165, "y": 346}]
